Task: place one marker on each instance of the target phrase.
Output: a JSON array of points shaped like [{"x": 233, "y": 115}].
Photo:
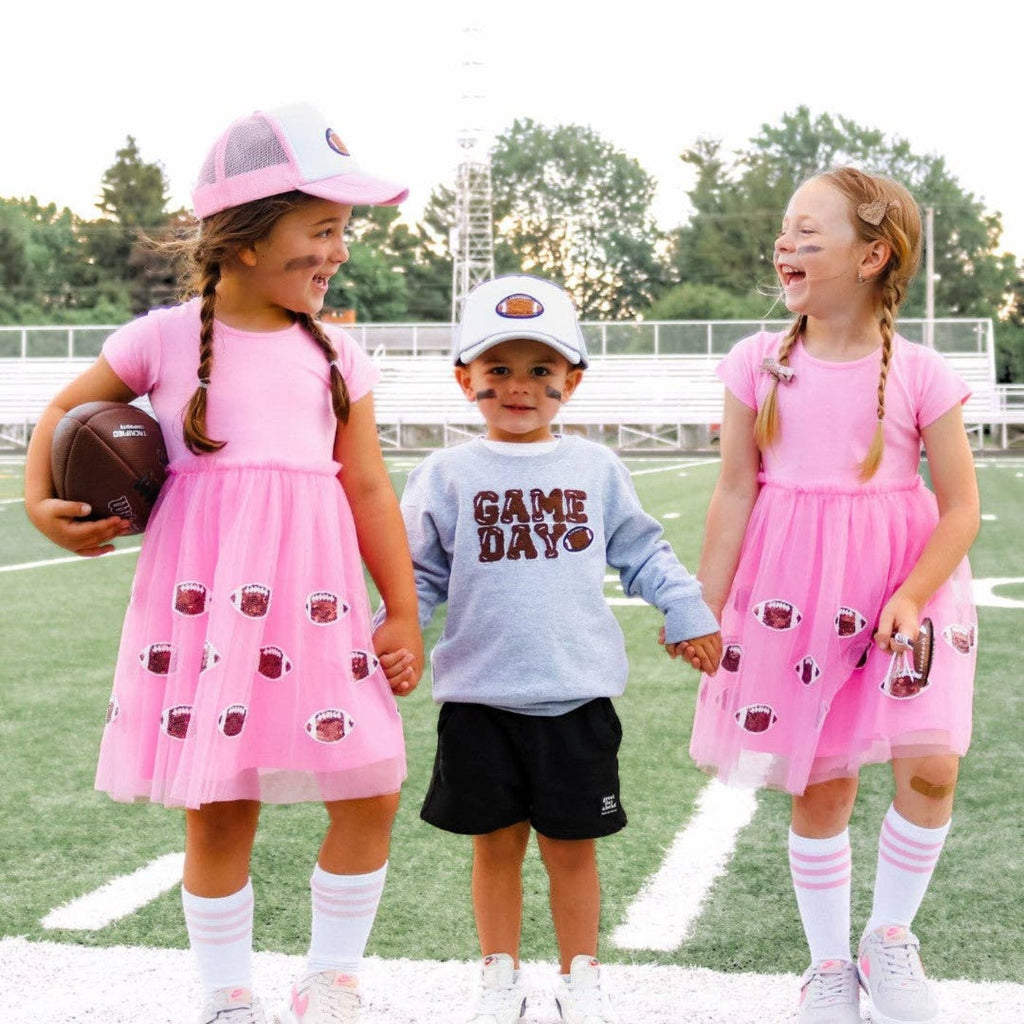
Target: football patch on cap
[
  {"x": 519, "y": 306},
  {"x": 334, "y": 141}
]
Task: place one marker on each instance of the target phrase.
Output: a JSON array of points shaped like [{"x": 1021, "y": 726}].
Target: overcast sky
[{"x": 649, "y": 76}]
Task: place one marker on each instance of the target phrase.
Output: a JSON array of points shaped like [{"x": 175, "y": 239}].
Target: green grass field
[{"x": 61, "y": 839}]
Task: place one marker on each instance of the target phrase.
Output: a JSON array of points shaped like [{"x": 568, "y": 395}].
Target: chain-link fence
[{"x": 675, "y": 337}]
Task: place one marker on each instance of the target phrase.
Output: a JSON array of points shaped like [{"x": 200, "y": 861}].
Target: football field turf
[{"x": 698, "y": 921}]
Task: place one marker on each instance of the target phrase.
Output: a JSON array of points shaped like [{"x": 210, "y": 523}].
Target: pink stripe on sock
[
  {"x": 897, "y": 849},
  {"x": 887, "y": 826},
  {"x": 200, "y": 917},
  {"x": 823, "y": 858},
  {"x": 814, "y": 872},
  {"x": 824, "y": 885},
  {"x": 221, "y": 940},
  {"x": 340, "y": 892},
  {"x": 904, "y": 866}
]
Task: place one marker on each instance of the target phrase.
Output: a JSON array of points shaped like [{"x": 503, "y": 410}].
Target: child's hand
[
  {"x": 400, "y": 649},
  {"x": 399, "y": 667},
  {"x": 901, "y": 617},
  {"x": 703, "y": 652},
  {"x": 61, "y": 522}
]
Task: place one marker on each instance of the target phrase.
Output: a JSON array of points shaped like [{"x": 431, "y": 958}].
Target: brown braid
[
  {"x": 339, "y": 389},
  {"x": 194, "y": 422},
  {"x": 890, "y": 300},
  {"x": 766, "y": 426}
]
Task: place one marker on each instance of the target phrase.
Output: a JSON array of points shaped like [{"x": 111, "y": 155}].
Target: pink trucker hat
[{"x": 283, "y": 150}]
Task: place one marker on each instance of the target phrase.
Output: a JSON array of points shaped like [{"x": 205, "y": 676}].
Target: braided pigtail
[
  {"x": 890, "y": 300},
  {"x": 194, "y": 422},
  {"x": 766, "y": 426},
  {"x": 339, "y": 389}
]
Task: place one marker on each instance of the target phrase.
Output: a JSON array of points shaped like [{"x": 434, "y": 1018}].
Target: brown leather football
[{"x": 110, "y": 455}]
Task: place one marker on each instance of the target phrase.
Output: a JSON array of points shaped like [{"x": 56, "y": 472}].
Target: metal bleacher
[{"x": 649, "y": 386}]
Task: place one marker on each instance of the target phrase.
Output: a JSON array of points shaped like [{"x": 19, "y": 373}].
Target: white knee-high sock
[
  {"x": 821, "y": 870},
  {"x": 220, "y": 933},
  {"x": 907, "y": 855},
  {"x": 344, "y": 909}
]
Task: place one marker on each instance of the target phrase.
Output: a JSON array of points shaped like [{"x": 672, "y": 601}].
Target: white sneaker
[
  {"x": 580, "y": 1000},
  {"x": 501, "y": 999},
  {"x": 830, "y": 993},
  {"x": 891, "y": 973},
  {"x": 232, "y": 1006},
  {"x": 327, "y": 997}
]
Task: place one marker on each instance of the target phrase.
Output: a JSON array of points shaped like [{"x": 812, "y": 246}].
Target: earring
[{"x": 860, "y": 279}]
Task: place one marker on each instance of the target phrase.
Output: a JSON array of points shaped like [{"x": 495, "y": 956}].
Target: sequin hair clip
[
  {"x": 783, "y": 374},
  {"x": 874, "y": 213}
]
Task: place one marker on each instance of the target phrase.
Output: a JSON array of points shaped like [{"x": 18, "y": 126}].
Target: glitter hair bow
[
  {"x": 783, "y": 374},
  {"x": 873, "y": 213}
]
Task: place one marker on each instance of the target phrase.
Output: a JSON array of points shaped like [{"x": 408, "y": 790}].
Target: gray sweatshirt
[{"x": 518, "y": 547}]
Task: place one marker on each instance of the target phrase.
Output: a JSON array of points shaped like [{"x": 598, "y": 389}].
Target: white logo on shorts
[{"x": 609, "y": 804}]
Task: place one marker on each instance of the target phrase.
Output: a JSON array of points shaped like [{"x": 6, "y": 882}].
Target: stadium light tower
[{"x": 471, "y": 239}]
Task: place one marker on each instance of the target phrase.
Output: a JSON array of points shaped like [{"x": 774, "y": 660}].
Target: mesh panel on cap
[
  {"x": 251, "y": 146},
  {"x": 208, "y": 172}
]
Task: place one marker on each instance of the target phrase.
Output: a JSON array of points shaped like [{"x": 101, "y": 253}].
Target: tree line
[{"x": 567, "y": 204}]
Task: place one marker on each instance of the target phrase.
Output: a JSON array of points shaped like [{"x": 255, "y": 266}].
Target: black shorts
[{"x": 497, "y": 768}]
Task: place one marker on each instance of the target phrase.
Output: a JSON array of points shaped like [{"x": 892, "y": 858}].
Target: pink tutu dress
[
  {"x": 246, "y": 667},
  {"x": 803, "y": 695}
]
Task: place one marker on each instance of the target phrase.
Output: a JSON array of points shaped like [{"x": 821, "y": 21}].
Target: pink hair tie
[{"x": 783, "y": 374}]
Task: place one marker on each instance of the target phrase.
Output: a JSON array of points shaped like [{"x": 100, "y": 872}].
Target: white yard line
[
  {"x": 672, "y": 899},
  {"x": 52, "y": 983},
  {"x": 65, "y": 561},
  {"x": 984, "y": 596},
  {"x": 674, "y": 466},
  {"x": 119, "y": 897}
]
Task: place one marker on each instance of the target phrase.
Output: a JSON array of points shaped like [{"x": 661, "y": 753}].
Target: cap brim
[
  {"x": 357, "y": 189},
  {"x": 467, "y": 355}
]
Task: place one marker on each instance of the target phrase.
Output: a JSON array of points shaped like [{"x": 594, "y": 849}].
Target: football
[{"x": 110, "y": 455}]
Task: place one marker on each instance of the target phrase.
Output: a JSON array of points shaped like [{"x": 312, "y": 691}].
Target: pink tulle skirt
[
  {"x": 246, "y": 668},
  {"x": 803, "y": 695}
]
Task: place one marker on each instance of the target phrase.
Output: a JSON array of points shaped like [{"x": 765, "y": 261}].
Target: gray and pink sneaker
[
  {"x": 830, "y": 993},
  {"x": 232, "y": 1006},
  {"x": 892, "y": 975}
]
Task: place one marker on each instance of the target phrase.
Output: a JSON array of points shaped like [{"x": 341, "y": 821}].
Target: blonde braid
[
  {"x": 339, "y": 389},
  {"x": 766, "y": 426},
  {"x": 890, "y": 300},
  {"x": 194, "y": 421}
]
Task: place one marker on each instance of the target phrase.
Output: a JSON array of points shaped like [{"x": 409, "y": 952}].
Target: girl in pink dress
[
  {"x": 248, "y": 669},
  {"x": 826, "y": 557}
]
